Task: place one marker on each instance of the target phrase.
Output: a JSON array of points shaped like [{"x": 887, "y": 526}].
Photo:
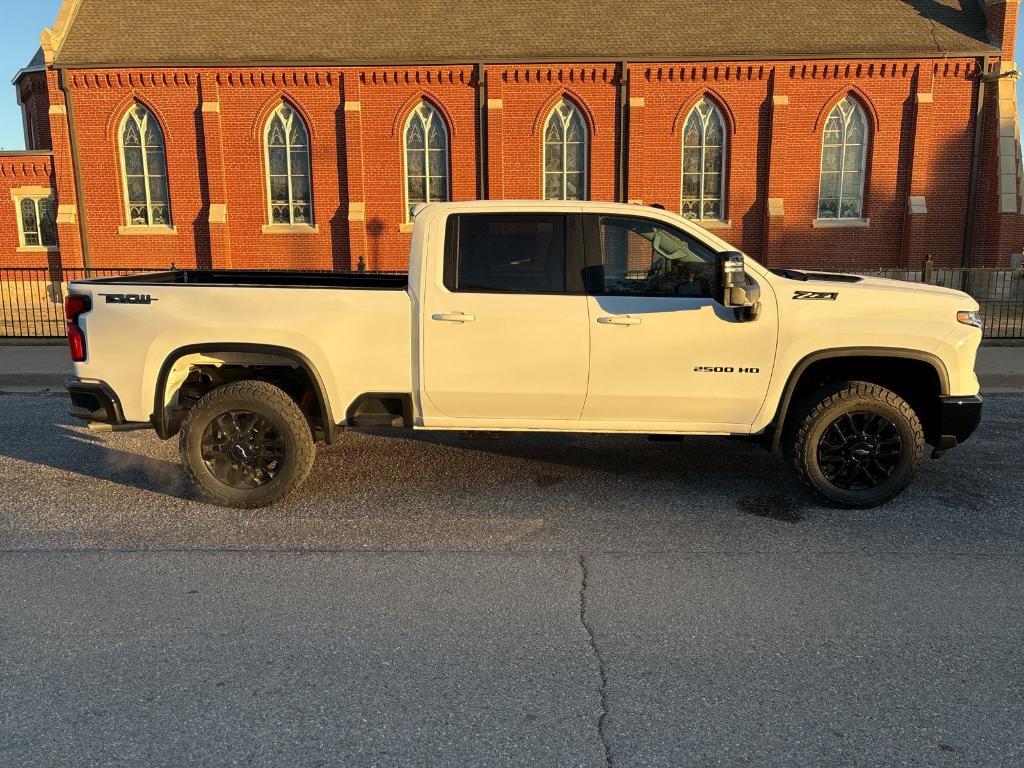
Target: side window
[
  {"x": 645, "y": 257},
  {"x": 507, "y": 253}
]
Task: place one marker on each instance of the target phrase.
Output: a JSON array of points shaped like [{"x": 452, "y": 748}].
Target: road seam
[{"x": 602, "y": 690}]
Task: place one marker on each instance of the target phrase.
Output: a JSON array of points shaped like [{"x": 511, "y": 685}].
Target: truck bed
[{"x": 259, "y": 279}]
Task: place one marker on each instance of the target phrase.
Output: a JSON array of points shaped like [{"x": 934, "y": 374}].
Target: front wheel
[
  {"x": 246, "y": 444},
  {"x": 856, "y": 444}
]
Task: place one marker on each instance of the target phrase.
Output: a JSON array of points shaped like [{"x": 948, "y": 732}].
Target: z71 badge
[
  {"x": 128, "y": 298},
  {"x": 815, "y": 295}
]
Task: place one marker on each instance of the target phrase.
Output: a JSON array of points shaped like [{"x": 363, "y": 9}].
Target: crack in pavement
[{"x": 595, "y": 649}]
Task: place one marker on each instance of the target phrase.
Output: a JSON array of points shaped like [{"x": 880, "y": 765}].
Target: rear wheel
[
  {"x": 856, "y": 444},
  {"x": 246, "y": 444}
]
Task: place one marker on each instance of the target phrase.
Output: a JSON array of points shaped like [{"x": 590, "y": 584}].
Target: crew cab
[{"x": 532, "y": 316}]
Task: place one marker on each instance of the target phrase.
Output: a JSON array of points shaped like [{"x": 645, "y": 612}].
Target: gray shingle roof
[{"x": 135, "y": 32}]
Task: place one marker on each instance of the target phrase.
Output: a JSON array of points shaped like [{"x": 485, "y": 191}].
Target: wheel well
[
  {"x": 186, "y": 378},
  {"x": 917, "y": 381}
]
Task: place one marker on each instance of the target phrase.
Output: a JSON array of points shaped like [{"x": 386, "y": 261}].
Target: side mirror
[{"x": 735, "y": 291}]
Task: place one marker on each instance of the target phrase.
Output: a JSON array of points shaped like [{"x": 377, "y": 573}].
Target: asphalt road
[{"x": 533, "y": 601}]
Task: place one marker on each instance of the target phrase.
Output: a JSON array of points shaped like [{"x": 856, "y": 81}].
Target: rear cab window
[{"x": 512, "y": 253}]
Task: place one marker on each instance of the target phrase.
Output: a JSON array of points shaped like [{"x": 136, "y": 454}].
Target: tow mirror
[{"x": 736, "y": 291}]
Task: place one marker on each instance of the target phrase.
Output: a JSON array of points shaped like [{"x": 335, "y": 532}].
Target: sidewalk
[{"x": 44, "y": 369}]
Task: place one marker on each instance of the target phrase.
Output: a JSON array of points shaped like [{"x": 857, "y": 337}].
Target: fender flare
[
  {"x": 776, "y": 424},
  {"x": 159, "y": 417}
]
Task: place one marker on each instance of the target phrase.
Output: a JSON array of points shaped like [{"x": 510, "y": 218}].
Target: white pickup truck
[{"x": 532, "y": 316}]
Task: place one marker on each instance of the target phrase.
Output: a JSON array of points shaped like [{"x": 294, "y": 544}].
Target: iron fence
[{"x": 31, "y": 298}]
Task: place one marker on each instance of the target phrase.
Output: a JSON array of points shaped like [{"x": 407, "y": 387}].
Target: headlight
[{"x": 970, "y": 318}]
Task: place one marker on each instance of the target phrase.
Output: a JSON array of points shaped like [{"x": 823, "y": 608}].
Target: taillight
[{"x": 73, "y": 307}]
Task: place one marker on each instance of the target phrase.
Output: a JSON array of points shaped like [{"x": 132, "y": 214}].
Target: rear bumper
[
  {"x": 958, "y": 418},
  {"x": 94, "y": 401}
]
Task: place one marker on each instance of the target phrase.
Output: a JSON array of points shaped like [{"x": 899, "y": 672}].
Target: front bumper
[
  {"x": 94, "y": 401},
  {"x": 958, "y": 418}
]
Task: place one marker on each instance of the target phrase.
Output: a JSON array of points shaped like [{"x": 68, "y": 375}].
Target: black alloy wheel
[
  {"x": 860, "y": 450},
  {"x": 242, "y": 449}
]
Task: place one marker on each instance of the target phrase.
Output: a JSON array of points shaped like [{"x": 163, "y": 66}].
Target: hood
[{"x": 838, "y": 281}]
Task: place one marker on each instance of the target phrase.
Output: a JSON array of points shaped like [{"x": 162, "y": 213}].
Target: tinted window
[
  {"x": 645, "y": 257},
  {"x": 516, "y": 253}
]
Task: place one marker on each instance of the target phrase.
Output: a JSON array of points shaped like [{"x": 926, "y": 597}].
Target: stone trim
[
  {"x": 917, "y": 205},
  {"x": 143, "y": 230},
  {"x": 357, "y": 211},
  {"x": 289, "y": 229},
  {"x": 211, "y": 106},
  {"x": 840, "y": 223},
  {"x": 218, "y": 213},
  {"x": 353, "y": 106}
]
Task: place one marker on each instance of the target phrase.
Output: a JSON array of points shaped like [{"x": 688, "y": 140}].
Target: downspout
[
  {"x": 623, "y": 191},
  {"x": 972, "y": 187},
  {"x": 76, "y": 167},
  {"x": 481, "y": 137}
]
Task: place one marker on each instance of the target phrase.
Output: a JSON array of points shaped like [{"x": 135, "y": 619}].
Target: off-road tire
[
  {"x": 273, "y": 405},
  {"x": 819, "y": 411}
]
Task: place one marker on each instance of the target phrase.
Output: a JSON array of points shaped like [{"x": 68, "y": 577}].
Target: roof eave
[{"x": 980, "y": 52}]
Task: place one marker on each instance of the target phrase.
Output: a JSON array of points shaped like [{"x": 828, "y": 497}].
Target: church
[{"x": 818, "y": 134}]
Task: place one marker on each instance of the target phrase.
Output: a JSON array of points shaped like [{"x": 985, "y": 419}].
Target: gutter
[
  {"x": 623, "y": 132},
  {"x": 481, "y": 133},
  {"x": 972, "y": 187},
  {"x": 76, "y": 166}
]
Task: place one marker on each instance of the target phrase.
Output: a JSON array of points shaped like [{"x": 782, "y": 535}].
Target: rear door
[{"x": 506, "y": 332}]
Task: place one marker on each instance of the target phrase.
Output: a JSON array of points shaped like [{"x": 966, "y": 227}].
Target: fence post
[{"x": 929, "y": 270}]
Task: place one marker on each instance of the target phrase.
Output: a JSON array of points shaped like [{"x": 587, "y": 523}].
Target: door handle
[
  {"x": 453, "y": 317},
  {"x": 619, "y": 320}
]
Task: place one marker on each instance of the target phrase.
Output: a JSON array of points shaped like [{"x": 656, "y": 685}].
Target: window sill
[
  {"x": 406, "y": 227},
  {"x": 141, "y": 229},
  {"x": 38, "y": 249},
  {"x": 840, "y": 223},
  {"x": 712, "y": 223},
  {"x": 289, "y": 229}
]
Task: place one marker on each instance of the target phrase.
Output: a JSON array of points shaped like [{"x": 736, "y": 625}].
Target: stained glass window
[
  {"x": 703, "y": 174},
  {"x": 843, "y": 150},
  {"x": 145, "y": 169},
  {"x": 37, "y": 222},
  {"x": 289, "y": 180},
  {"x": 426, "y": 157},
  {"x": 565, "y": 154}
]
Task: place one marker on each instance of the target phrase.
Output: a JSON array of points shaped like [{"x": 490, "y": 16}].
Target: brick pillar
[
  {"x": 774, "y": 250},
  {"x": 915, "y": 221},
  {"x": 495, "y": 136},
  {"x": 68, "y": 232},
  {"x": 216, "y": 176},
  {"x": 635, "y": 130},
  {"x": 1001, "y": 24},
  {"x": 353, "y": 108}
]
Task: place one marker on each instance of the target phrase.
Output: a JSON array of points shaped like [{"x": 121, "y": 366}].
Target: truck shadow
[{"x": 82, "y": 452}]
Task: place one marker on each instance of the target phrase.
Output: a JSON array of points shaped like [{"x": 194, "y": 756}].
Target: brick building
[{"x": 298, "y": 135}]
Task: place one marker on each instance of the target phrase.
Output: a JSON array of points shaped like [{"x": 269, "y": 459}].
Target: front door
[
  {"x": 506, "y": 336},
  {"x": 663, "y": 350}
]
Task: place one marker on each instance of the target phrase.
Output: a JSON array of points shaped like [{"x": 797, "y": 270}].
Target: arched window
[
  {"x": 144, "y": 164},
  {"x": 426, "y": 157},
  {"x": 843, "y": 153},
  {"x": 703, "y": 188},
  {"x": 289, "y": 182},
  {"x": 565, "y": 153}
]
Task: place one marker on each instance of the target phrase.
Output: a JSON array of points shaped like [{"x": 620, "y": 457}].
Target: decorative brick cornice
[
  {"x": 604, "y": 73},
  {"x": 705, "y": 72},
  {"x": 419, "y": 76}
]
